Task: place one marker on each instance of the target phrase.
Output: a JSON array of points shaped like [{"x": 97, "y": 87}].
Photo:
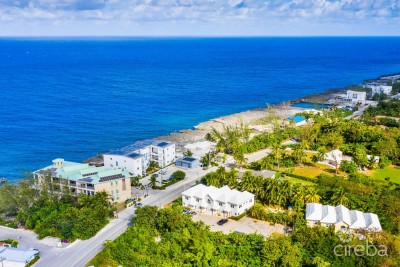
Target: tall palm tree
[
  {"x": 277, "y": 151},
  {"x": 311, "y": 195}
]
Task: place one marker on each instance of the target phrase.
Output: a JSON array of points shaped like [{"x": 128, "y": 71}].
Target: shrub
[{"x": 178, "y": 175}]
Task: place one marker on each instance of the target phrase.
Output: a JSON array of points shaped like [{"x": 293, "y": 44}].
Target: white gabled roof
[
  {"x": 334, "y": 155},
  {"x": 328, "y": 214},
  {"x": 355, "y": 219},
  {"x": 223, "y": 194},
  {"x": 372, "y": 222},
  {"x": 313, "y": 211},
  {"x": 343, "y": 214}
]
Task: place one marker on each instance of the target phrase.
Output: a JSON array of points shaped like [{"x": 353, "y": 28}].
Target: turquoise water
[
  {"x": 297, "y": 118},
  {"x": 73, "y": 98},
  {"x": 311, "y": 105}
]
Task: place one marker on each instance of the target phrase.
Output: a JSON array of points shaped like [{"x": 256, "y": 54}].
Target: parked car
[
  {"x": 134, "y": 198},
  {"x": 137, "y": 205},
  {"x": 163, "y": 172},
  {"x": 185, "y": 211},
  {"x": 192, "y": 213},
  {"x": 222, "y": 221}
]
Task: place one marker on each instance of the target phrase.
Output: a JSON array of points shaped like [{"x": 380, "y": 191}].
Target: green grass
[
  {"x": 295, "y": 180},
  {"x": 392, "y": 171}
]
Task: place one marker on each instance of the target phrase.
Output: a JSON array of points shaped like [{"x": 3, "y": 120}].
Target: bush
[
  {"x": 237, "y": 218},
  {"x": 348, "y": 166},
  {"x": 178, "y": 175}
]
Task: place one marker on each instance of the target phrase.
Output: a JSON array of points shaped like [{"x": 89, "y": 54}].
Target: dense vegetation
[
  {"x": 166, "y": 237},
  {"x": 52, "y": 214}
]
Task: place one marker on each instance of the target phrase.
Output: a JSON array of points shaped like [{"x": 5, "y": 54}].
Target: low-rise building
[
  {"x": 356, "y": 97},
  {"x": 187, "y": 162},
  {"x": 341, "y": 218},
  {"x": 136, "y": 158},
  {"x": 79, "y": 178},
  {"x": 200, "y": 149},
  {"x": 333, "y": 157},
  {"x": 377, "y": 88},
  {"x": 223, "y": 201},
  {"x": 16, "y": 257}
]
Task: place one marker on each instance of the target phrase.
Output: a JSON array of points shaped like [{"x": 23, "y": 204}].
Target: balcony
[
  {"x": 82, "y": 186},
  {"x": 91, "y": 187}
]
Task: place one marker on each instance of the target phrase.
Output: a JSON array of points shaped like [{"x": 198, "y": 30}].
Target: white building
[
  {"x": 16, "y": 257},
  {"x": 356, "y": 97},
  {"x": 333, "y": 157},
  {"x": 212, "y": 200},
  {"x": 377, "y": 88},
  {"x": 136, "y": 158},
  {"x": 341, "y": 218}
]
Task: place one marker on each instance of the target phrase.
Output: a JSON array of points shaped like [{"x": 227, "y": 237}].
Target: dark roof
[
  {"x": 163, "y": 144},
  {"x": 88, "y": 180},
  {"x": 189, "y": 159},
  {"x": 134, "y": 155}
]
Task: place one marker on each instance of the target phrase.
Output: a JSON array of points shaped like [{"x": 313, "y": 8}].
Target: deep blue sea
[{"x": 73, "y": 98}]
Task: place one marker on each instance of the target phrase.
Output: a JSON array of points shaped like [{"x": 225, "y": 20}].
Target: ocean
[{"x": 75, "y": 97}]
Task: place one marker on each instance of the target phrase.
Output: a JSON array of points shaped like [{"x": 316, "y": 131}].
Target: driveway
[{"x": 245, "y": 225}]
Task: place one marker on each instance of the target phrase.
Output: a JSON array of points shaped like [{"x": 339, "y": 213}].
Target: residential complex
[
  {"x": 377, "y": 88},
  {"x": 223, "y": 201},
  {"x": 356, "y": 97},
  {"x": 136, "y": 158},
  {"x": 81, "y": 178},
  {"x": 266, "y": 174},
  {"x": 341, "y": 218}
]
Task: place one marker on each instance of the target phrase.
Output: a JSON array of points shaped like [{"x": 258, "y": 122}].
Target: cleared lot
[{"x": 245, "y": 225}]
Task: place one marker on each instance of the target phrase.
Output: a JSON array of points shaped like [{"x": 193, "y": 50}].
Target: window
[
  {"x": 232, "y": 206},
  {"x": 116, "y": 191},
  {"x": 116, "y": 182},
  {"x": 209, "y": 201},
  {"x": 198, "y": 200},
  {"x": 117, "y": 198},
  {"x": 315, "y": 223},
  {"x": 116, "y": 163},
  {"x": 112, "y": 184},
  {"x": 112, "y": 192},
  {"x": 187, "y": 198},
  {"x": 251, "y": 200},
  {"x": 240, "y": 206},
  {"x": 220, "y": 203}
]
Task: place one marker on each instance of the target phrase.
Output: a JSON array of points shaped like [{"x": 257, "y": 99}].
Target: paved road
[
  {"x": 81, "y": 252},
  {"x": 359, "y": 112}
]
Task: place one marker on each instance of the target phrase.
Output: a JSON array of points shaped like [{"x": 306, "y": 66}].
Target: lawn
[
  {"x": 312, "y": 170},
  {"x": 392, "y": 171},
  {"x": 295, "y": 180}
]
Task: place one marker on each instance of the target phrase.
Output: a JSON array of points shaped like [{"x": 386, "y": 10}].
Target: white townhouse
[
  {"x": 356, "y": 97},
  {"x": 377, "y": 88},
  {"x": 136, "y": 158},
  {"x": 333, "y": 157},
  {"x": 341, "y": 218},
  {"x": 224, "y": 201}
]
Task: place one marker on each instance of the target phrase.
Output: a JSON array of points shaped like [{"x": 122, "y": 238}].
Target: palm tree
[
  {"x": 311, "y": 195},
  {"x": 339, "y": 197},
  {"x": 276, "y": 151}
]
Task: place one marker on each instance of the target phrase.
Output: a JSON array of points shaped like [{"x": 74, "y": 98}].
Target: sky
[{"x": 199, "y": 17}]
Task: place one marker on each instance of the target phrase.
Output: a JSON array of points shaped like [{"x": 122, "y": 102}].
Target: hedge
[{"x": 237, "y": 218}]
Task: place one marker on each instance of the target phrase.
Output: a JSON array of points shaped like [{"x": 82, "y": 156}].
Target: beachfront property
[
  {"x": 356, "y": 97},
  {"x": 377, "y": 88},
  {"x": 266, "y": 174},
  {"x": 341, "y": 218},
  {"x": 136, "y": 158},
  {"x": 17, "y": 257},
  {"x": 187, "y": 162},
  {"x": 222, "y": 201},
  {"x": 81, "y": 178}
]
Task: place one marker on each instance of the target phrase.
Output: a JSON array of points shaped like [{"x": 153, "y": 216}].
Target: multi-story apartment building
[
  {"x": 81, "y": 178},
  {"x": 341, "y": 218},
  {"x": 377, "y": 88},
  {"x": 136, "y": 158},
  {"x": 212, "y": 200}
]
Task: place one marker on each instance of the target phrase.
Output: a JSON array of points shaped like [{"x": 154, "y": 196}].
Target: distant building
[
  {"x": 356, "y": 97},
  {"x": 79, "y": 178},
  {"x": 212, "y": 200},
  {"x": 377, "y": 88},
  {"x": 341, "y": 218},
  {"x": 136, "y": 158},
  {"x": 187, "y": 162},
  {"x": 333, "y": 157},
  {"x": 16, "y": 257},
  {"x": 264, "y": 173}
]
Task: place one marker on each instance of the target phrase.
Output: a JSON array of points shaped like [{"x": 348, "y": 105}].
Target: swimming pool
[{"x": 297, "y": 118}]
